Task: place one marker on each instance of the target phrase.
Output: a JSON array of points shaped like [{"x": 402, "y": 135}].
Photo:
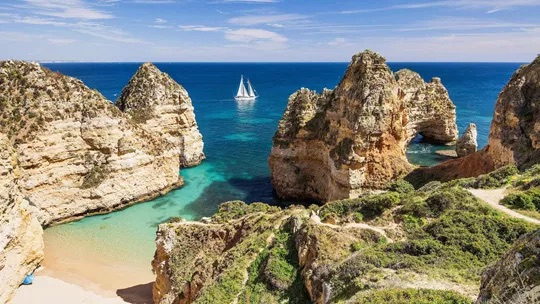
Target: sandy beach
[{"x": 72, "y": 273}]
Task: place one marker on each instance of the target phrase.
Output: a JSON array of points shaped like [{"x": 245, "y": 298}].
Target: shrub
[
  {"x": 417, "y": 296},
  {"x": 358, "y": 217},
  {"x": 401, "y": 186},
  {"x": 520, "y": 200},
  {"x": 430, "y": 187},
  {"x": 497, "y": 178}
]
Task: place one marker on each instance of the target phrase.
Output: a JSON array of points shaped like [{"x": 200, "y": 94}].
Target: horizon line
[{"x": 254, "y": 62}]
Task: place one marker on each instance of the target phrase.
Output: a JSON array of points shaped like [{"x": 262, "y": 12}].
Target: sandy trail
[{"x": 494, "y": 196}]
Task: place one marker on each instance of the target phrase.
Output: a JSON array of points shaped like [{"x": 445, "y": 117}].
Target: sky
[{"x": 269, "y": 30}]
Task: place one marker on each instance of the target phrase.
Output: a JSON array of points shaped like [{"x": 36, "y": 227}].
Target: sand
[
  {"x": 46, "y": 289},
  {"x": 77, "y": 275}
]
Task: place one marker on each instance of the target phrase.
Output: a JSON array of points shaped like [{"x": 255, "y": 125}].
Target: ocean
[{"x": 238, "y": 139}]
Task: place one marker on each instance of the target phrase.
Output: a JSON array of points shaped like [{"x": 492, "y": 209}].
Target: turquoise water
[{"x": 238, "y": 138}]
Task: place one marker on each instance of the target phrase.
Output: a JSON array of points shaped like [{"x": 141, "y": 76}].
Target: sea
[{"x": 238, "y": 138}]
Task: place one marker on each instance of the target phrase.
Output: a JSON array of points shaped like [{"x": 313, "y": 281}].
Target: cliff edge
[
  {"x": 21, "y": 236},
  {"x": 78, "y": 154}
]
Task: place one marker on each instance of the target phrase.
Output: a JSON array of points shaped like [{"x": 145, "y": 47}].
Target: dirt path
[
  {"x": 379, "y": 230},
  {"x": 494, "y": 196}
]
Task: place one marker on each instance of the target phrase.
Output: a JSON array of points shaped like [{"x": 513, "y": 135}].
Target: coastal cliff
[
  {"x": 21, "y": 236},
  {"x": 514, "y": 136},
  {"x": 516, "y": 277},
  {"x": 78, "y": 154},
  {"x": 162, "y": 106},
  {"x": 344, "y": 142},
  {"x": 425, "y": 246}
]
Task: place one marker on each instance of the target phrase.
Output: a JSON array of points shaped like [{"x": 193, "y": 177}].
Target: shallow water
[{"x": 238, "y": 138}]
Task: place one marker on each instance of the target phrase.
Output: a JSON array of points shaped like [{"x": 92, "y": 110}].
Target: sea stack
[
  {"x": 21, "y": 236},
  {"x": 78, "y": 154},
  {"x": 344, "y": 142},
  {"x": 514, "y": 136},
  {"x": 160, "y": 105},
  {"x": 467, "y": 143}
]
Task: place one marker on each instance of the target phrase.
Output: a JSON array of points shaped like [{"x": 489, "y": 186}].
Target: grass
[{"x": 406, "y": 296}]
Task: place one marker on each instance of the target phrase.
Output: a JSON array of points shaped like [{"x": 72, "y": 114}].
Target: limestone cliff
[
  {"x": 21, "y": 236},
  {"x": 340, "y": 143},
  {"x": 514, "y": 136},
  {"x": 78, "y": 154},
  {"x": 516, "y": 277},
  {"x": 162, "y": 106},
  {"x": 467, "y": 143},
  {"x": 427, "y": 246}
]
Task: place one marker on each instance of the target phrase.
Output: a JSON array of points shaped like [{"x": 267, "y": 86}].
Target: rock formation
[
  {"x": 435, "y": 240},
  {"x": 340, "y": 143},
  {"x": 162, "y": 106},
  {"x": 78, "y": 154},
  {"x": 514, "y": 136},
  {"x": 467, "y": 143},
  {"x": 516, "y": 277},
  {"x": 21, "y": 236}
]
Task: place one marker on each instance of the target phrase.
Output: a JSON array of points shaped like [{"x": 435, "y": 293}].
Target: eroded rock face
[
  {"x": 21, "y": 236},
  {"x": 78, "y": 154},
  {"x": 162, "y": 106},
  {"x": 514, "y": 136},
  {"x": 340, "y": 143},
  {"x": 516, "y": 277},
  {"x": 467, "y": 143}
]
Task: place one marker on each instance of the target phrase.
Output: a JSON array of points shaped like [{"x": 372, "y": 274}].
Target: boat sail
[{"x": 244, "y": 94}]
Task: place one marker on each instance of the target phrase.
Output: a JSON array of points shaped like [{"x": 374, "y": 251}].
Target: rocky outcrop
[
  {"x": 78, "y": 154},
  {"x": 514, "y": 136},
  {"x": 21, "y": 236},
  {"x": 516, "y": 277},
  {"x": 467, "y": 143},
  {"x": 341, "y": 143},
  {"x": 338, "y": 253},
  {"x": 163, "y": 107}
]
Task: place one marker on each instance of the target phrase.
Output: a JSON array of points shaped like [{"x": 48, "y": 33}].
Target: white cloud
[
  {"x": 61, "y": 41},
  {"x": 491, "y": 5},
  {"x": 154, "y": 1},
  {"x": 247, "y": 1},
  {"x": 337, "y": 41},
  {"x": 74, "y": 9},
  {"x": 105, "y": 32},
  {"x": 253, "y": 35},
  {"x": 265, "y": 19},
  {"x": 159, "y": 20},
  {"x": 200, "y": 28},
  {"x": 463, "y": 24}
]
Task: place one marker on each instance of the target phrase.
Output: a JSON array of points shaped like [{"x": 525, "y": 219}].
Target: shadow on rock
[{"x": 138, "y": 294}]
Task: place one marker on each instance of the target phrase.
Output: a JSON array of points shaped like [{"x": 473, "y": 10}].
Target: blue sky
[{"x": 269, "y": 30}]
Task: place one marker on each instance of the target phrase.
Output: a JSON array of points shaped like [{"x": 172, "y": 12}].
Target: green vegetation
[
  {"x": 449, "y": 234},
  {"x": 95, "y": 176},
  {"x": 407, "y": 296},
  {"x": 236, "y": 209},
  {"x": 401, "y": 186},
  {"x": 369, "y": 206},
  {"x": 274, "y": 276}
]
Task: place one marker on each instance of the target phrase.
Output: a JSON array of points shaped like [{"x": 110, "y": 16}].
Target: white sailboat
[{"x": 244, "y": 94}]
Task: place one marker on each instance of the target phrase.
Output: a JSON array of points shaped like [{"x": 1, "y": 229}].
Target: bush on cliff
[
  {"x": 406, "y": 296},
  {"x": 497, "y": 178},
  {"x": 369, "y": 206},
  {"x": 401, "y": 186}
]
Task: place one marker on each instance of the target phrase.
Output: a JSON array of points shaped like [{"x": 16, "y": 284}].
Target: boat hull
[{"x": 241, "y": 98}]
